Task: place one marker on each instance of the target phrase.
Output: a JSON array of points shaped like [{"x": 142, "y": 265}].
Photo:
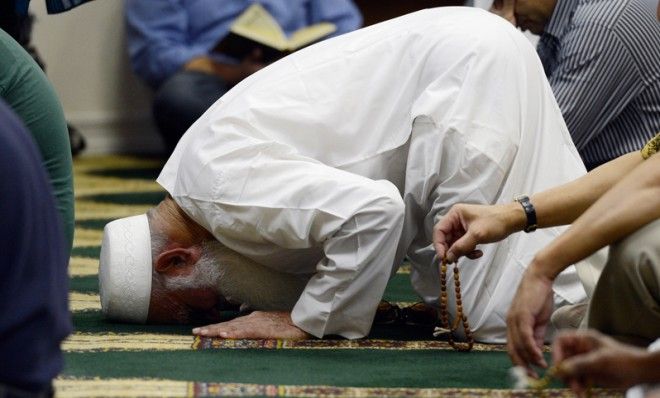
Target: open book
[{"x": 256, "y": 28}]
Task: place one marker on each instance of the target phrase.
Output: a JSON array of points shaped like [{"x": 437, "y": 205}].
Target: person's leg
[
  {"x": 626, "y": 302},
  {"x": 181, "y": 100},
  {"x": 34, "y": 317},
  {"x": 25, "y": 88}
]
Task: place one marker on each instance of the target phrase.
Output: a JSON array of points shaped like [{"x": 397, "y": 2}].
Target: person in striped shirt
[{"x": 606, "y": 80}]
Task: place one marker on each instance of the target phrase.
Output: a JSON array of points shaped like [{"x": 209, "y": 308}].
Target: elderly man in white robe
[{"x": 300, "y": 192}]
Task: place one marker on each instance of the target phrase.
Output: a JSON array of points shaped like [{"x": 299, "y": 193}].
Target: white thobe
[{"x": 337, "y": 160}]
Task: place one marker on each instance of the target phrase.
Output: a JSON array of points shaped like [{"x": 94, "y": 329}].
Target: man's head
[
  {"x": 532, "y": 15},
  {"x": 162, "y": 267}
]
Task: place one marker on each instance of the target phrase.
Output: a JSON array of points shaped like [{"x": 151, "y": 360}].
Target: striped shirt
[{"x": 602, "y": 58}]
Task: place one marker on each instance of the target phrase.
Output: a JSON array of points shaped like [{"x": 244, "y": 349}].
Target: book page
[
  {"x": 310, "y": 34},
  {"x": 257, "y": 24}
]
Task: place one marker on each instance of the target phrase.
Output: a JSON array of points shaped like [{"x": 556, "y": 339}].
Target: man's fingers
[
  {"x": 217, "y": 330},
  {"x": 523, "y": 346},
  {"x": 539, "y": 336},
  {"x": 580, "y": 365},
  {"x": 475, "y": 254},
  {"x": 223, "y": 329},
  {"x": 514, "y": 349},
  {"x": 444, "y": 233},
  {"x": 440, "y": 249},
  {"x": 462, "y": 247},
  {"x": 530, "y": 351},
  {"x": 561, "y": 347},
  {"x": 227, "y": 331}
]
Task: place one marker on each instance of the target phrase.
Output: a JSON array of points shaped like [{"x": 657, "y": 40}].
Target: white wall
[{"x": 86, "y": 59}]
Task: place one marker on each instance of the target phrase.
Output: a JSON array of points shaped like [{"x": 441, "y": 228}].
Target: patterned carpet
[{"x": 122, "y": 360}]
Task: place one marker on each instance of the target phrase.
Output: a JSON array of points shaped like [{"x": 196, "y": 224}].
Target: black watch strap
[{"x": 530, "y": 212}]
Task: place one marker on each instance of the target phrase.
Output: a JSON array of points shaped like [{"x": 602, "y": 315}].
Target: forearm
[
  {"x": 630, "y": 204},
  {"x": 564, "y": 204},
  {"x": 342, "y": 297}
]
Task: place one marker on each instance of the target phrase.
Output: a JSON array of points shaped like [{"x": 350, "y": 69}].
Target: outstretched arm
[
  {"x": 629, "y": 205},
  {"x": 465, "y": 226}
]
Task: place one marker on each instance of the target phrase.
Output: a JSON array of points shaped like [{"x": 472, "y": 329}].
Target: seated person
[
  {"x": 34, "y": 318},
  {"x": 171, "y": 45},
  {"x": 333, "y": 164},
  {"x": 28, "y": 92},
  {"x": 617, "y": 204},
  {"x": 604, "y": 77}
]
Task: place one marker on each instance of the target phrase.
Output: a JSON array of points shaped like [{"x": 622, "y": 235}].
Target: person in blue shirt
[{"x": 171, "y": 42}]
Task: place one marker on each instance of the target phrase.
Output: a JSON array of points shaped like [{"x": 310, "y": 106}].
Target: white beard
[{"x": 241, "y": 281}]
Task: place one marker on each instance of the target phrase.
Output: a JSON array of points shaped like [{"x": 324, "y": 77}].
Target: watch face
[{"x": 520, "y": 198}]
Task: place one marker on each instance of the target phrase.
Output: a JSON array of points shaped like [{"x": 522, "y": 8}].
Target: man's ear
[
  {"x": 177, "y": 261},
  {"x": 505, "y": 9}
]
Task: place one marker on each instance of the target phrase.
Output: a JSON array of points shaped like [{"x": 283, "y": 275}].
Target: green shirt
[{"x": 24, "y": 86}]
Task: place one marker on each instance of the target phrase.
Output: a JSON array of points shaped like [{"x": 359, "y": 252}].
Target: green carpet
[{"x": 107, "y": 359}]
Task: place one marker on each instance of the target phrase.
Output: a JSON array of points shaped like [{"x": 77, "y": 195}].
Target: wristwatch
[{"x": 530, "y": 212}]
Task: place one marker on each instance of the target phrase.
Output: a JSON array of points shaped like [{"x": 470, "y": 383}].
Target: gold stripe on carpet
[
  {"x": 87, "y": 237},
  {"x": 112, "y": 162},
  {"x": 73, "y": 388},
  {"x": 79, "y": 302},
  {"x": 404, "y": 269},
  {"x": 83, "y": 266},
  {"x": 83, "y": 342},
  {"x": 92, "y": 210},
  {"x": 93, "y": 185}
]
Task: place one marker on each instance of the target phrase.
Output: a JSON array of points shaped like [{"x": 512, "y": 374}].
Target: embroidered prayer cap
[{"x": 125, "y": 269}]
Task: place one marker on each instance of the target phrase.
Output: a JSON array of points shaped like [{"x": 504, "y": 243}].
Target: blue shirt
[
  {"x": 163, "y": 35},
  {"x": 602, "y": 58}
]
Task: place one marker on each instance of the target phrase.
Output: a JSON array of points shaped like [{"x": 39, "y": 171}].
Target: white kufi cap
[{"x": 125, "y": 269}]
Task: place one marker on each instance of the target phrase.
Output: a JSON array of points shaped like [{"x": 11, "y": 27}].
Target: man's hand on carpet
[
  {"x": 528, "y": 319},
  {"x": 256, "y": 325}
]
